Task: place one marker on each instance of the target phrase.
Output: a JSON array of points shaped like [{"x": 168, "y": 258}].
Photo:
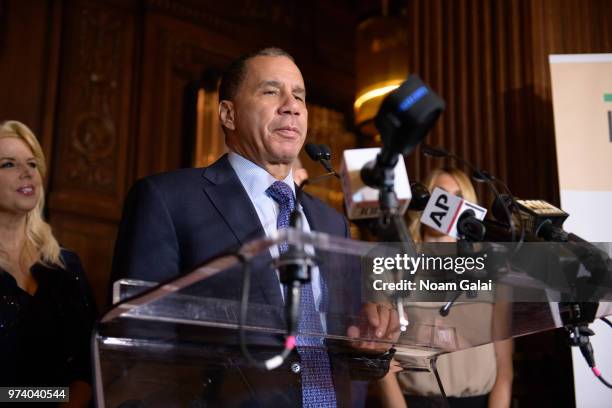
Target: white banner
[{"x": 582, "y": 106}]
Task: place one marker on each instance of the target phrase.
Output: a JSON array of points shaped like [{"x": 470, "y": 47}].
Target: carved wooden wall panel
[
  {"x": 93, "y": 129},
  {"x": 92, "y": 134}
]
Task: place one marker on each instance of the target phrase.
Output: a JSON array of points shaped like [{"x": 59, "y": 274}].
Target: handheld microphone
[{"x": 454, "y": 216}]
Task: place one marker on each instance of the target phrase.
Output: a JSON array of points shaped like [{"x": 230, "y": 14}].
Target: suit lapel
[
  {"x": 232, "y": 201},
  {"x": 233, "y": 204},
  {"x": 314, "y": 221}
]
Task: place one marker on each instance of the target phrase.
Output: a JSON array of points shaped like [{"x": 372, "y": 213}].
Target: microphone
[
  {"x": 480, "y": 176},
  {"x": 454, "y": 216},
  {"x": 404, "y": 118},
  {"x": 321, "y": 153},
  {"x": 361, "y": 200},
  {"x": 543, "y": 219},
  {"x": 420, "y": 196},
  {"x": 539, "y": 218}
]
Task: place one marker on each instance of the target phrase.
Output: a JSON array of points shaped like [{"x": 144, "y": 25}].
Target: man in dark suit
[{"x": 175, "y": 221}]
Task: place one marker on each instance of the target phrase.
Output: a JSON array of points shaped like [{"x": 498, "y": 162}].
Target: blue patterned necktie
[{"x": 317, "y": 384}]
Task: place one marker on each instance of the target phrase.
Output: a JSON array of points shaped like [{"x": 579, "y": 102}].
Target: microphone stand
[
  {"x": 295, "y": 265},
  {"x": 470, "y": 236},
  {"x": 390, "y": 226}
]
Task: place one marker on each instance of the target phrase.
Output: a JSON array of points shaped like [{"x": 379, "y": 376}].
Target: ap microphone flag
[{"x": 444, "y": 210}]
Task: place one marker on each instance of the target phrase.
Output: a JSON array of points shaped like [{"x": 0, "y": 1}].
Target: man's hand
[{"x": 379, "y": 321}]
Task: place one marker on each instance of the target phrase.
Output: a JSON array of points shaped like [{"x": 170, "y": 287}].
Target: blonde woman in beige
[
  {"x": 475, "y": 377},
  {"x": 45, "y": 310}
]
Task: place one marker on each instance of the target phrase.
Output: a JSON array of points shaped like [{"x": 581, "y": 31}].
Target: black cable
[
  {"x": 513, "y": 206},
  {"x": 434, "y": 368},
  {"x": 608, "y": 322},
  {"x": 580, "y": 336},
  {"x": 275, "y": 361},
  {"x": 604, "y": 382}
]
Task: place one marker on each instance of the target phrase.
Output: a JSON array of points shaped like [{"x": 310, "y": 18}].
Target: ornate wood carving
[
  {"x": 94, "y": 89},
  {"x": 93, "y": 135}
]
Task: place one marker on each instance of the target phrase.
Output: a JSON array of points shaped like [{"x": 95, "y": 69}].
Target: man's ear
[{"x": 226, "y": 115}]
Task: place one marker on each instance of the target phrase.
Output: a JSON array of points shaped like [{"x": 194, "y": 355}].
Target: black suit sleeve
[{"x": 146, "y": 247}]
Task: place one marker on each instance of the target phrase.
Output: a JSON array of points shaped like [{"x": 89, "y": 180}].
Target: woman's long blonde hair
[
  {"x": 465, "y": 187},
  {"x": 40, "y": 244}
]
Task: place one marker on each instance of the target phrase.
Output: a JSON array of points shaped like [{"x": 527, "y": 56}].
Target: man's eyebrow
[
  {"x": 278, "y": 84},
  {"x": 299, "y": 90},
  {"x": 275, "y": 84}
]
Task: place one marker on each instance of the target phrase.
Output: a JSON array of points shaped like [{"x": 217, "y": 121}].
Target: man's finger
[
  {"x": 384, "y": 312},
  {"x": 370, "y": 311}
]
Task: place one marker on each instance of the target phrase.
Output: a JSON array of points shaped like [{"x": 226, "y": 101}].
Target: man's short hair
[{"x": 234, "y": 75}]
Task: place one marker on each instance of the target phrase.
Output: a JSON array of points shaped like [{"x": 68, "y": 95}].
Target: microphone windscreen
[
  {"x": 420, "y": 196},
  {"x": 313, "y": 151},
  {"x": 325, "y": 151}
]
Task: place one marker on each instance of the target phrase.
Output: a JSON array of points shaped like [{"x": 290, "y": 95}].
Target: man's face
[{"x": 267, "y": 120}]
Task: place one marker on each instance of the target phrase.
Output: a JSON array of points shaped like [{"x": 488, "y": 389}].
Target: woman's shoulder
[
  {"x": 69, "y": 269},
  {"x": 69, "y": 257}
]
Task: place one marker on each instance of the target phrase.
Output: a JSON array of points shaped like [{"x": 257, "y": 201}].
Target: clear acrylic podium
[{"x": 176, "y": 344}]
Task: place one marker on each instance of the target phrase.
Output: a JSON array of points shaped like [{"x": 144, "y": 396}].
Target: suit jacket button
[{"x": 296, "y": 368}]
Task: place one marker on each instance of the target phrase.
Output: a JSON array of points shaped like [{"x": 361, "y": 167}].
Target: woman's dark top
[{"x": 45, "y": 338}]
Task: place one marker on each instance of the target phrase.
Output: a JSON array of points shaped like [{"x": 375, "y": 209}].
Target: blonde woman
[
  {"x": 45, "y": 310},
  {"x": 476, "y": 377}
]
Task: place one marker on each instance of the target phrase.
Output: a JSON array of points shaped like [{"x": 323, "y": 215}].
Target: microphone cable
[
  {"x": 580, "y": 337},
  {"x": 277, "y": 360}
]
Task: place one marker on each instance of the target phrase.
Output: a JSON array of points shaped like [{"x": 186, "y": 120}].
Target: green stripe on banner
[{"x": 608, "y": 97}]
